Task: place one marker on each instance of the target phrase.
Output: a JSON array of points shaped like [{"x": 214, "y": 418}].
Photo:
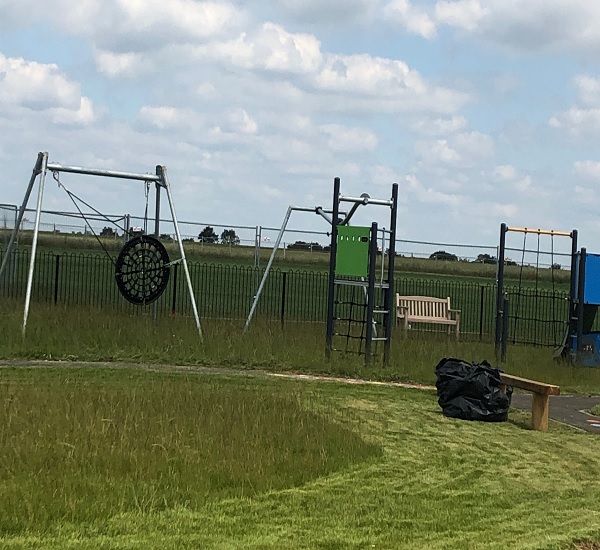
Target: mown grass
[
  {"x": 426, "y": 481},
  {"x": 136, "y": 457}
]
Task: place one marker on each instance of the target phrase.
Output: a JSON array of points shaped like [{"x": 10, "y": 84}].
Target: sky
[{"x": 483, "y": 112}]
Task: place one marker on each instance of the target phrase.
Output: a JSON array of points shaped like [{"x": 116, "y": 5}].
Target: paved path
[{"x": 568, "y": 409}]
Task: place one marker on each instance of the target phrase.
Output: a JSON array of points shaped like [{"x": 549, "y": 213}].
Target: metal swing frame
[
  {"x": 502, "y": 305},
  {"x": 40, "y": 170}
]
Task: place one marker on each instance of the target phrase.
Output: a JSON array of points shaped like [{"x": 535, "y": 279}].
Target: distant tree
[
  {"x": 487, "y": 259},
  {"x": 556, "y": 266},
  {"x": 165, "y": 237},
  {"x": 301, "y": 245},
  {"x": 443, "y": 255},
  {"x": 108, "y": 232},
  {"x": 229, "y": 237},
  {"x": 208, "y": 235}
]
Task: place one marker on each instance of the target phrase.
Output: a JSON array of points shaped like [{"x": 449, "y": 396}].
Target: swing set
[{"x": 143, "y": 265}]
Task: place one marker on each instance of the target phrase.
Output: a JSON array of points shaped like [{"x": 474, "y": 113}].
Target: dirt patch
[{"x": 586, "y": 545}]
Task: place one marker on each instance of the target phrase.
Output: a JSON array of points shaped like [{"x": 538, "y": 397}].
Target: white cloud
[
  {"x": 588, "y": 90},
  {"x": 588, "y": 169},
  {"x": 241, "y": 122},
  {"x": 440, "y": 126},
  {"x": 463, "y": 14},
  {"x": 428, "y": 194},
  {"x": 415, "y": 20},
  {"x": 577, "y": 121},
  {"x": 35, "y": 85},
  {"x": 127, "y": 65},
  {"x": 42, "y": 87},
  {"x": 505, "y": 172},
  {"x": 161, "y": 117},
  {"x": 345, "y": 139},
  {"x": 84, "y": 115},
  {"x": 464, "y": 149},
  {"x": 137, "y": 25},
  {"x": 537, "y": 25},
  {"x": 272, "y": 48},
  {"x": 296, "y": 64},
  {"x": 330, "y": 12}
]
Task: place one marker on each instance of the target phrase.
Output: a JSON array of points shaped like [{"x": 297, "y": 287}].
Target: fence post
[
  {"x": 174, "y": 302},
  {"x": 283, "y": 293},
  {"x": 505, "y": 306},
  {"x": 56, "y": 272},
  {"x": 481, "y": 300}
]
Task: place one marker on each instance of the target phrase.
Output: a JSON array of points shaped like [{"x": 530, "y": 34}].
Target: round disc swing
[{"x": 142, "y": 268}]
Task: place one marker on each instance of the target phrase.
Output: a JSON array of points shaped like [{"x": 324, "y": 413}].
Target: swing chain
[{"x": 146, "y": 193}]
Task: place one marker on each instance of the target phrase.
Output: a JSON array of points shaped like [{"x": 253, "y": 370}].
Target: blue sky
[{"x": 483, "y": 111}]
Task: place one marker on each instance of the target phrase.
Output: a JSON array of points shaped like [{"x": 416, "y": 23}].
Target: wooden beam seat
[{"x": 541, "y": 397}]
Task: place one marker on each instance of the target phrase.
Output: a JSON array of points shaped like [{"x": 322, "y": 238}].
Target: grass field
[
  {"x": 126, "y": 458},
  {"x": 173, "y": 443}
]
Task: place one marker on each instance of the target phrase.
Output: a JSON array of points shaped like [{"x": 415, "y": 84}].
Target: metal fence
[{"x": 227, "y": 291}]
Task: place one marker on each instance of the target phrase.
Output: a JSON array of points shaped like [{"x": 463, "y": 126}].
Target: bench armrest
[{"x": 456, "y": 313}]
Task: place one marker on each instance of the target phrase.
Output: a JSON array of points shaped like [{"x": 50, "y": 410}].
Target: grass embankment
[{"x": 109, "y": 458}]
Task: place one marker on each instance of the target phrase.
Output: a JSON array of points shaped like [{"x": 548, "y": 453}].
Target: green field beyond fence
[{"x": 225, "y": 291}]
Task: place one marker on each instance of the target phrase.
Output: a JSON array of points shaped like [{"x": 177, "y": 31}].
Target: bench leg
[{"x": 539, "y": 412}]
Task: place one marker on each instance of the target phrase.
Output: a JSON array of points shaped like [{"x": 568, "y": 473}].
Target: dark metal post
[
  {"x": 332, "y": 257},
  {"x": 174, "y": 302},
  {"x": 580, "y": 303},
  {"x": 283, "y": 293},
  {"x": 156, "y": 227},
  {"x": 500, "y": 290},
  {"x": 573, "y": 321},
  {"x": 504, "y": 328},
  {"x": 371, "y": 292},
  {"x": 481, "y": 310},
  {"x": 390, "y": 293},
  {"x": 157, "y": 205},
  {"x": 56, "y": 272}
]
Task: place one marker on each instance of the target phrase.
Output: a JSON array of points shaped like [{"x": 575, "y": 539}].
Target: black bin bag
[{"x": 471, "y": 391}]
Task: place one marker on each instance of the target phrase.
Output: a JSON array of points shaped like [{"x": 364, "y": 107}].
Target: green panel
[{"x": 352, "y": 258}]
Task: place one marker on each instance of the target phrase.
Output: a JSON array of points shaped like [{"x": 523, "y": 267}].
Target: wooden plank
[{"x": 529, "y": 385}]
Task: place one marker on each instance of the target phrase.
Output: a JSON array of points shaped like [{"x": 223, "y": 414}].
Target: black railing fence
[{"x": 227, "y": 291}]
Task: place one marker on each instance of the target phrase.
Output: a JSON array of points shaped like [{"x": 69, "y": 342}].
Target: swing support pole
[
  {"x": 36, "y": 230},
  {"x": 161, "y": 172}
]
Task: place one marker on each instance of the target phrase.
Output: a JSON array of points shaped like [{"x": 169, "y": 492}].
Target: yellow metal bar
[{"x": 540, "y": 231}]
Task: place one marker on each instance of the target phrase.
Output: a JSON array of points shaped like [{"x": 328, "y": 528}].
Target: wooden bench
[
  {"x": 425, "y": 309},
  {"x": 541, "y": 397}
]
